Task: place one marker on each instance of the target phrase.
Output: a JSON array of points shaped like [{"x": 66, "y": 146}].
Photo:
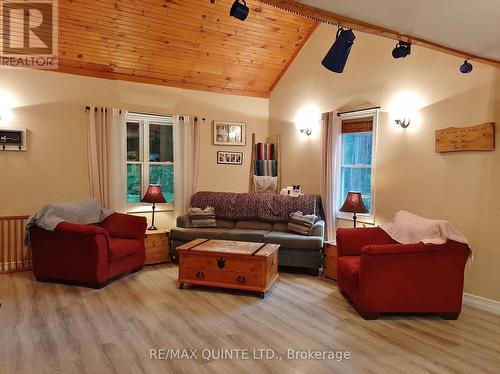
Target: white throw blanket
[
  {"x": 407, "y": 228},
  {"x": 80, "y": 212}
]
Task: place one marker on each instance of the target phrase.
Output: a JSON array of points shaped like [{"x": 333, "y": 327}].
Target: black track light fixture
[
  {"x": 466, "y": 67},
  {"x": 401, "y": 50},
  {"x": 336, "y": 58},
  {"x": 239, "y": 10}
]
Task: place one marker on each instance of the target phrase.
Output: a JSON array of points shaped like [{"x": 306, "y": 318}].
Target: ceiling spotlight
[
  {"x": 466, "y": 67},
  {"x": 239, "y": 10},
  {"x": 336, "y": 58},
  {"x": 401, "y": 50}
]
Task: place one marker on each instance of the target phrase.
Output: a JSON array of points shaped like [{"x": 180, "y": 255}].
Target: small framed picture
[
  {"x": 229, "y": 158},
  {"x": 229, "y": 133}
]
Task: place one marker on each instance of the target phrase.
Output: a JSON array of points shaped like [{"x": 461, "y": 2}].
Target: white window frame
[
  {"x": 363, "y": 218},
  {"x": 144, "y": 120}
]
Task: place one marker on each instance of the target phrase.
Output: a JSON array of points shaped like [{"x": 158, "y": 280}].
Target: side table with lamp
[
  {"x": 353, "y": 204},
  {"x": 157, "y": 240}
]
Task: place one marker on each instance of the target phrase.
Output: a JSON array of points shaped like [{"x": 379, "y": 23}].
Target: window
[
  {"x": 149, "y": 155},
  {"x": 357, "y": 150}
]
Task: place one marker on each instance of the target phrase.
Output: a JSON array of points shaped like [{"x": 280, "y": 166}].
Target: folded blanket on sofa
[
  {"x": 202, "y": 217},
  {"x": 407, "y": 228},
  {"x": 80, "y": 212},
  {"x": 301, "y": 223}
]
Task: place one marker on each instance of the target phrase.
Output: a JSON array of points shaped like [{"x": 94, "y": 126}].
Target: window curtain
[
  {"x": 330, "y": 139},
  {"x": 104, "y": 128},
  {"x": 186, "y": 160}
]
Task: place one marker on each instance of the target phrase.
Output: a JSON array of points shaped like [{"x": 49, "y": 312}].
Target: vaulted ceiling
[{"x": 184, "y": 43}]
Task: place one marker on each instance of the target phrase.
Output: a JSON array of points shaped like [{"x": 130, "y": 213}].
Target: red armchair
[
  {"x": 91, "y": 254},
  {"x": 380, "y": 275}
]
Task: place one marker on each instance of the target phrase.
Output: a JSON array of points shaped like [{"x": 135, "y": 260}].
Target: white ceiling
[{"x": 470, "y": 26}]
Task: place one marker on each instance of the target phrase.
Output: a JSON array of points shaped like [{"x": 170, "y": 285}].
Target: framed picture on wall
[
  {"x": 229, "y": 158},
  {"x": 229, "y": 133},
  {"x": 12, "y": 139}
]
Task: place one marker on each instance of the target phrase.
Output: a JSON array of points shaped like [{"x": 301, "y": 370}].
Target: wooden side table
[
  {"x": 157, "y": 246},
  {"x": 330, "y": 261}
]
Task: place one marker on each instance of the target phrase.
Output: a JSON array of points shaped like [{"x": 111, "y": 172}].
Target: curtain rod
[
  {"x": 163, "y": 115},
  {"x": 151, "y": 114},
  {"x": 357, "y": 110},
  {"x": 146, "y": 114}
]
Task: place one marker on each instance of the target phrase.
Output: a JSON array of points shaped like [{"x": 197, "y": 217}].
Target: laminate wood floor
[{"x": 55, "y": 328}]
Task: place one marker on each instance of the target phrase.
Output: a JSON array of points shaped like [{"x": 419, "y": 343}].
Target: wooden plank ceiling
[{"x": 191, "y": 44}]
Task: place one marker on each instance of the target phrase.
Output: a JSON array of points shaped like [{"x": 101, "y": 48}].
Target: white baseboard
[{"x": 481, "y": 303}]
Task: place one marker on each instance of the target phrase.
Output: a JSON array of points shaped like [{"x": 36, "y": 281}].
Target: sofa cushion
[
  {"x": 224, "y": 224},
  {"x": 292, "y": 240},
  {"x": 119, "y": 248},
  {"x": 280, "y": 226},
  {"x": 245, "y": 235},
  {"x": 186, "y": 235},
  {"x": 254, "y": 225}
]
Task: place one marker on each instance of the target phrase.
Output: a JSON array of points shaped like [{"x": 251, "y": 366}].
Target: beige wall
[
  {"x": 463, "y": 188},
  {"x": 51, "y": 106}
]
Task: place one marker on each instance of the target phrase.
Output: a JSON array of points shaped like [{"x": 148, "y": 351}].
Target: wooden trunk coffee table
[{"x": 228, "y": 264}]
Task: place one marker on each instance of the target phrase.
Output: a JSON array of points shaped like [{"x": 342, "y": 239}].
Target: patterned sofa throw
[
  {"x": 301, "y": 223},
  {"x": 267, "y": 206},
  {"x": 202, "y": 217}
]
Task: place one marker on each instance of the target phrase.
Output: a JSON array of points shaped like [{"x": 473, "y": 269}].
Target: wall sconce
[
  {"x": 7, "y": 102},
  {"x": 404, "y": 109},
  {"x": 306, "y": 120},
  {"x": 307, "y": 131},
  {"x": 5, "y": 115},
  {"x": 403, "y": 123}
]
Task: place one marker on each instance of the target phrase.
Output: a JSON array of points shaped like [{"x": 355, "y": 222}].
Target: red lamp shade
[
  {"x": 153, "y": 195},
  {"x": 354, "y": 203}
]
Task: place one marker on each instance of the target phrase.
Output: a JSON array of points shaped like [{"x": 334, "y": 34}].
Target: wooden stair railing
[{"x": 14, "y": 255}]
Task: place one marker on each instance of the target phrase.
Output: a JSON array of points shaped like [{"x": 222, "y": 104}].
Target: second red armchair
[{"x": 379, "y": 275}]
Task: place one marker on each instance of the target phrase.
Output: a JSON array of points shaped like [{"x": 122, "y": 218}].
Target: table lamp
[
  {"x": 354, "y": 204},
  {"x": 155, "y": 196}
]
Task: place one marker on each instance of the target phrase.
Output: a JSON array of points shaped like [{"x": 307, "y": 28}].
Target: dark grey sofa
[{"x": 295, "y": 251}]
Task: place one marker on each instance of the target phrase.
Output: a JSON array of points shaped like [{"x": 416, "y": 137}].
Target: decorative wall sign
[
  {"x": 474, "y": 138},
  {"x": 229, "y": 158},
  {"x": 12, "y": 139},
  {"x": 229, "y": 133}
]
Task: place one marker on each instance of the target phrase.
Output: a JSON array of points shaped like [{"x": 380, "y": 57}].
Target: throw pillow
[
  {"x": 202, "y": 217},
  {"x": 301, "y": 223}
]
